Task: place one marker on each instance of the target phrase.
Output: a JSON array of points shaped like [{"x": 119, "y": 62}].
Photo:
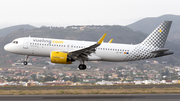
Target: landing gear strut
[
  {"x": 82, "y": 66},
  {"x": 25, "y": 62}
]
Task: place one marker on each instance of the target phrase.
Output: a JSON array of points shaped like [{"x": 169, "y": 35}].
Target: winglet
[
  {"x": 110, "y": 41},
  {"x": 101, "y": 39}
]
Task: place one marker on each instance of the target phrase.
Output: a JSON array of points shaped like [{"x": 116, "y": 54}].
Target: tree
[
  {"x": 25, "y": 80},
  {"x": 74, "y": 79},
  {"x": 120, "y": 75},
  {"x": 106, "y": 77},
  {"x": 34, "y": 77},
  {"x": 49, "y": 78}
]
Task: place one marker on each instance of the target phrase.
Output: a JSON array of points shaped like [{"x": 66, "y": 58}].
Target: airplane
[{"x": 67, "y": 51}]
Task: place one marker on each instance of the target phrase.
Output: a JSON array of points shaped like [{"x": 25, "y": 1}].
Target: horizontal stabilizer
[
  {"x": 160, "y": 50},
  {"x": 164, "y": 53}
]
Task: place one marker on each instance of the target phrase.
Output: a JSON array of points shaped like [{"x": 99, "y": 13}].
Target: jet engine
[{"x": 60, "y": 57}]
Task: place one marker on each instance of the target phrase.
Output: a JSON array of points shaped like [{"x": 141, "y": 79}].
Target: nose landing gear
[{"x": 25, "y": 62}]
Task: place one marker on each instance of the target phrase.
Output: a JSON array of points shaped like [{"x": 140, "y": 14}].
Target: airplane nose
[
  {"x": 6, "y": 47},
  {"x": 10, "y": 48}
]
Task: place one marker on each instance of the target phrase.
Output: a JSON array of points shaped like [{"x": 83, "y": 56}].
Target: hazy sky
[{"x": 82, "y": 12}]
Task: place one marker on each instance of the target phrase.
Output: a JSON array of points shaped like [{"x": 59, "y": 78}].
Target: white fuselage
[
  {"x": 44, "y": 46},
  {"x": 67, "y": 51}
]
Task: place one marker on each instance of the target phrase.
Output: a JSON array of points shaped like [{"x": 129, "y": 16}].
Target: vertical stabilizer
[
  {"x": 158, "y": 37},
  {"x": 153, "y": 44}
]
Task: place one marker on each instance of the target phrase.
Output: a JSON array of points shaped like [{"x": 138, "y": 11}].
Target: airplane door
[
  {"x": 25, "y": 45},
  {"x": 32, "y": 51}
]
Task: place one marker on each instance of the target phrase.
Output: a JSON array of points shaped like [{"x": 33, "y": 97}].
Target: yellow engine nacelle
[{"x": 60, "y": 57}]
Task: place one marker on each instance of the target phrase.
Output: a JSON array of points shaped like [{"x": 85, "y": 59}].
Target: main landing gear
[
  {"x": 82, "y": 66},
  {"x": 25, "y": 62}
]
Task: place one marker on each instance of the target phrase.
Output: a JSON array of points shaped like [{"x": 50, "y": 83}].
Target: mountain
[
  {"x": 8, "y": 30},
  {"x": 120, "y": 34},
  {"x": 147, "y": 25}
]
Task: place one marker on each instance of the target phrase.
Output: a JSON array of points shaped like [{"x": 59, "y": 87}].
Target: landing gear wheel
[
  {"x": 25, "y": 62},
  {"x": 82, "y": 66}
]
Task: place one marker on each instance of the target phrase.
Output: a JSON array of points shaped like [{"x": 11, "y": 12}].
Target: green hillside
[{"x": 8, "y": 30}]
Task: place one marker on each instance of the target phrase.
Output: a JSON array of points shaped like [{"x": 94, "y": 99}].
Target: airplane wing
[{"x": 86, "y": 51}]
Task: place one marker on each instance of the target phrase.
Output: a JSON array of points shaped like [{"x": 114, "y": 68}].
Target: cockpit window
[{"x": 15, "y": 42}]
